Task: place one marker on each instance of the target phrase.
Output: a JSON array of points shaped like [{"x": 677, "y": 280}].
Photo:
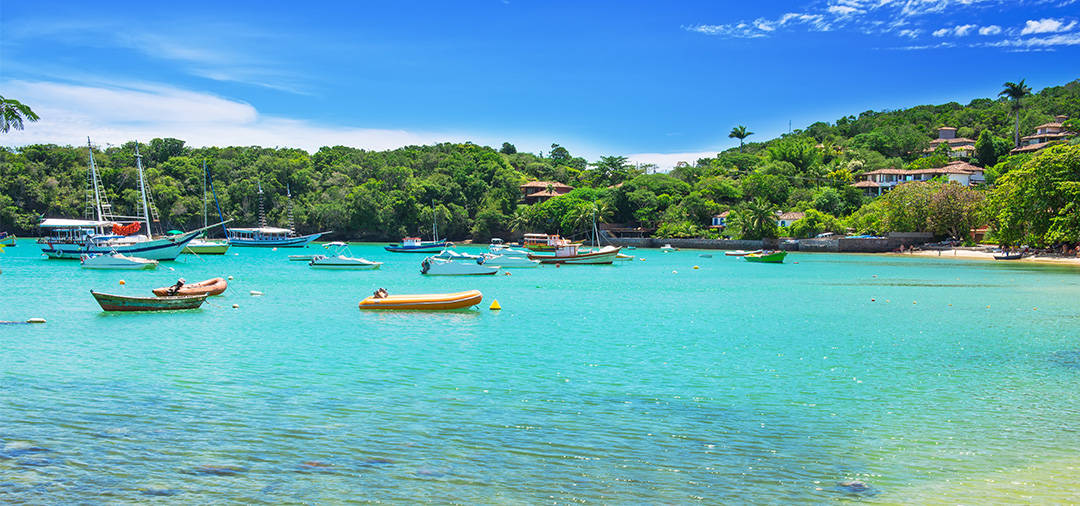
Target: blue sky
[{"x": 657, "y": 81}]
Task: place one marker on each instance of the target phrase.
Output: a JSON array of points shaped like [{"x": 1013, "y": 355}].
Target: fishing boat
[
  {"x": 1008, "y": 255},
  {"x": 509, "y": 261},
  {"x": 106, "y": 232},
  {"x": 425, "y": 302},
  {"x": 342, "y": 259},
  {"x": 109, "y": 302},
  {"x": 667, "y": 248},
  {"x": 740, "y": 253},
  {"x": 7, "y": 239},
  {"x": 438, "y": 267},
  {"x": 545, "y": 242},
  {"x": 213, "y": 286},
  {"x": 418, "y": 245},
  {"x": 202, "y": 245},
  {"x": 271, "y": 237},
  {"x": 571, "y": 255},
  {"x": 768, "y": 257},
  {"x": 117, "y": 261}
]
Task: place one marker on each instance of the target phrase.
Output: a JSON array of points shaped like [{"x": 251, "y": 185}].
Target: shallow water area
[{"x": 830, "y": 377}]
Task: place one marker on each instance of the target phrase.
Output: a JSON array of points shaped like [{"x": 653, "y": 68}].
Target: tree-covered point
[{"x": 473, "y": 191}]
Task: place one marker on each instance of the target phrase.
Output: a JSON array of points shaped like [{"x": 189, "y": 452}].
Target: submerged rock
[
  {"x": 19, "y": 448},
  {"x": 218, "y": 470},
  {"x": 855, "y": 487},
  {"x": 1066, "y": 358}
]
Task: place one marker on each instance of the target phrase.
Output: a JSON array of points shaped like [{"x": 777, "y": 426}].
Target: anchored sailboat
[
  {"x": 418, "y": 245},
  {"x": 103, "y": 232},
  {"x": 200, "y": 245}
]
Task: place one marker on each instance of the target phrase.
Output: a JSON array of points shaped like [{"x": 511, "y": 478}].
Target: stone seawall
[{"x": 687, "y": 243}]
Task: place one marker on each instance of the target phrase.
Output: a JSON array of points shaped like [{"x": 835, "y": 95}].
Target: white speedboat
[
  {"x": 438, "y": 267},
  {"x": 502, "y": 249},
  {"x": 449, "y": 254},
  {"x": 509, "y": 261},
  {"x": 623, "y": 257},
  {"x": 667, "y": 248},
  {"x": 117, "y": 261},
  {"x": 207, "y": 247},
  {"x": 341, "y": 260}
]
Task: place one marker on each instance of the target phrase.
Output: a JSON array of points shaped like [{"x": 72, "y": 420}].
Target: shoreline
[{"x": 965, "y": 254}]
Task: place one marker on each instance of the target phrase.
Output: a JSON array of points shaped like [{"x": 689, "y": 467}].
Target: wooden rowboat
[
  {"x": 215, "y": 286},
  {"x": 425, "y": 302},
  {"x": 109, "y": 302}
]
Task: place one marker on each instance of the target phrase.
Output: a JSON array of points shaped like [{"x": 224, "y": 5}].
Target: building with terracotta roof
[
  {"x": 786, "y": 219},
  {"x": 961, "y": 147},
  {"x": 879, "y": 181},
  {"x": 539, "y": 191},
  {"x": 1045, "y": 135}
]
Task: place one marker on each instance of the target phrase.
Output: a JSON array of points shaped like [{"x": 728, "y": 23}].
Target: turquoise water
[{"x": 642, "y": 382}]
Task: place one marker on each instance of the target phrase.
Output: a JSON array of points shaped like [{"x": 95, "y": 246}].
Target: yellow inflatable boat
[{"x": 426, "y": 302}]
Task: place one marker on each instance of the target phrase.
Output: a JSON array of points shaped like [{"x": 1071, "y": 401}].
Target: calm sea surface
[{"x": 924, "y": 379}]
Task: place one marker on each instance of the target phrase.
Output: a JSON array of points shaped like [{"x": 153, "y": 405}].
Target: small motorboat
[
  {"x": 740, "y": 253},
  {"x": 213, "y": 286},
  {"x": 449, "y": 254},
  {"x": 667, "y": 248},
  {"x": 417, "y": 245},
  {"x": 342, "y": 260},
  {"x": 206, "y": 247},
  {"x": 767, "y": 257},
  {"x": 509, "y": 261},
  {"x": 424, "y": 302},
  {"x": 7, "y": 239},
  {"x": 109, "y": 302},
  {"x": 1008, "y": 255},
  {"x": 502, "y": 249},
  {"x": 117, "y": 261},
  {"x": 623, "y": 257},
  {"x": 439, "y": 267}
]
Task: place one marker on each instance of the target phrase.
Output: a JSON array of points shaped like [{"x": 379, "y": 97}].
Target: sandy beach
[{"x": 970, "y": 254}]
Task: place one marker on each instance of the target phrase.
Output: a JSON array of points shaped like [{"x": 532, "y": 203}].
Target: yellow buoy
[
  {"x": 696, "y": 267},
  {"x": 495, "y": 305},
  {"x": 35, "y": 320},
  {"x": 122, "y": 282}
]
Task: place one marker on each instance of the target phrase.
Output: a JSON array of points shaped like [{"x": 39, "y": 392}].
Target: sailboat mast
[
  {"x": 221, "y": 216},
  {"x": 204, "y": 194},
  {"x": 434, "y": 222},
  {"x": 94, "y": 182},
  {"x": 142, "y": 191},
  {"x": 288, "y": 196},
  {"x": 262, "y": 213}
]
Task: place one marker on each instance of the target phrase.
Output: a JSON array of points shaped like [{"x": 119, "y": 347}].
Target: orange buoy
[{"x": 122, "y": 282}]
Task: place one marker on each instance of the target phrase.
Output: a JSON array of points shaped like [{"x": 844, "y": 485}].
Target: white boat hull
[
  {"x": 340, "y": 262},
  {"x": 510, "y": 262},
  {"x": 437, "y": 267},
  {"x": 167, "y": 248},
  {"x": 118, "y": 262}
]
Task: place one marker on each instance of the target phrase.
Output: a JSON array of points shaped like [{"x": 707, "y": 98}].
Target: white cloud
[
  {"x": 990, "y": 30},
  {"x": 956, "y": 31},
  {"x": 1046, "y": 42},
  {"x": 114, "y": 115},
  {"x": 910, "y": 33},
  {"x": 667, "y": 161},
  {"x": 1046, "y": 25}
]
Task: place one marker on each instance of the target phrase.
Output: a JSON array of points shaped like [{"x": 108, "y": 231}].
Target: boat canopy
[
  {"x": 65, "y": 223},
  {"x": 264, "y": 230}
]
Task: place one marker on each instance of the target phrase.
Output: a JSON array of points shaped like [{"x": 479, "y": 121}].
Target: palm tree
[
  {"x": 1016, "y": 91},
  {"x": 740, "y": 133},
  {"x": 761, "y": 216},
  {"x": 14, "y": 112}
]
